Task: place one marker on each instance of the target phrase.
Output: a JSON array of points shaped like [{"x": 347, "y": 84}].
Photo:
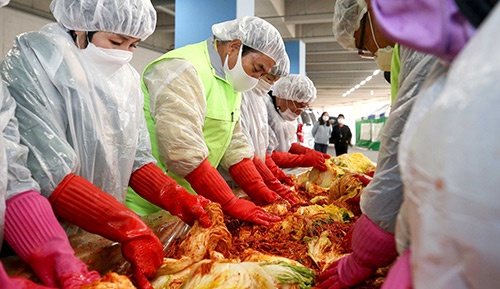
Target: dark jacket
[{"x": 341, "y": 135}]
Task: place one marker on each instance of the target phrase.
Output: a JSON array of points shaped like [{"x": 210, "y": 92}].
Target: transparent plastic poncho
[
  {"x": 382, "y": 198},
  {"x": 73, "y": 118},
  {"x": 450, "y": 169}
]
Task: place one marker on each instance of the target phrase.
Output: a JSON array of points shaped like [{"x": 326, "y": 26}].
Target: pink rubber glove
[
  {"x": 33, "y": 232},
  {"x": 299, "y": 149},
  {"x": 277, "y": 172},
  {"x": 17, "y": 282},
  {"x": 153, "y": 185},
  {"x": 399, "y": 277},
  {"x": 206, "y": 181},
  {"x": 273, "y": 183},
  {"x": 83, "y": 204},
  {"x": 372, "y": 248},
  {"x": 309, "y": 159}
]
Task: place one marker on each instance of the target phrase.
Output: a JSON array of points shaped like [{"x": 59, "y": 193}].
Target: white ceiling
[{"x": 332, "y": 69}]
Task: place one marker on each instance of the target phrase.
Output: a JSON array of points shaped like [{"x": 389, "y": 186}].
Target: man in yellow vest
[{"x": 192, "y": 108}]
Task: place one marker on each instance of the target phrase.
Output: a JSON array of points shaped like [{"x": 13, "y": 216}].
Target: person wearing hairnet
[
  {"x": 447, "y": 227},
  {"x": 373, "y": 242},
  {"x": 255, "y": 127},
  {"x": 31, "y": 229},
  {"x": 289, "y": 98},
  {"x": 193, "y": 99},
  {"x": 356, "y": 29},
  {"x": 79, "y": 106}
]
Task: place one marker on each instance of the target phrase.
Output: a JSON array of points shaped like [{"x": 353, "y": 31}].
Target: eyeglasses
[
  {"x": 361, "y": 51},
  {"x": 299, "y": 106}
]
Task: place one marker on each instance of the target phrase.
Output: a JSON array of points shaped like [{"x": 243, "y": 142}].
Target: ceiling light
[{"x": 363, "y": 82}]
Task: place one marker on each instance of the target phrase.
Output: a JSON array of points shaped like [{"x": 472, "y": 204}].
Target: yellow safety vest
[{"x": 222, "y": 113}]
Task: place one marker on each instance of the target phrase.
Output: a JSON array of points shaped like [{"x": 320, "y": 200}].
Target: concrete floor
[{"x": 372, "y": 155}]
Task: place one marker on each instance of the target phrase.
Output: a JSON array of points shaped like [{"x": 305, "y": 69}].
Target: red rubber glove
[
  {"x": 277, "y": 172},
  {"x": 245, "y": 174},
  {"x": 364, "y": 179},
  {"x": 83, "y": 204},
  {"x": 309, "y": 159},
  {"x": 34, "y": 233},
  {"x": 299, "y": 149},
  {"x": 206, "y": 181},
  {"x": 17, "y": 282},
  {"x": 272, "y": 182},
  {"x": 372, "y": 248},
  {"x": 153, "y": 185}
]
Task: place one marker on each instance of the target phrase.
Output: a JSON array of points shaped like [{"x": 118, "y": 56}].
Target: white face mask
[
  {"x": 237, "y": 76},
  {"x": 383, "y": 58},
  {"x": 340, "y": 120},
  {"x": 106, "y": 60},
  {"x": 262, "y": 87},
  {"x": 326, "y": 117},
  {"x": 4, "y": 2},
  {"x": 288, "y": 114}
]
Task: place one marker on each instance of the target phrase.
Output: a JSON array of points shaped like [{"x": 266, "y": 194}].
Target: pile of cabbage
[{"x": 203, "y": 263}]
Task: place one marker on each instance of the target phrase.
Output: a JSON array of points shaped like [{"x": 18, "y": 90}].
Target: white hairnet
[
  {"x": 282, "y": 67},
  {"x": 4, "y": 2},
  {"x": 295, "y": 87},
  {"x": 253, "y": 32},
  {"x": 135, "y": 18},
  {"x": 347, "y": 16}
]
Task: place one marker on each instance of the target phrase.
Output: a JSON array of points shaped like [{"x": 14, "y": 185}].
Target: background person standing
[
  {"x": 341, "y": 136},
  {"x": 321, "y": 132}
]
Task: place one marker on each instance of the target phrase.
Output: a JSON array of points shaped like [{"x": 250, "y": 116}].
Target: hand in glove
[
  {"x": 153, "y": 185},
  {"x": 83, "y": 204},
  {"x": 399, "y": 277},
  {"x": 309, "y": 159},
  {"x": 206, "y": 181},
  {"x": 17, "y": 282},
  {"x": 34, "y": 233},
  {"x": 372, "y": 248},
  {"x": 273, "y": 182},
  {"x": 245, "y": 174},
  {"x": 299, "y": 149},
  {"x": 277, "y": 172}
]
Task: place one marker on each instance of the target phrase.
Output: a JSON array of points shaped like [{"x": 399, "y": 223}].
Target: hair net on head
[
  {"x": 253, "y": 32},
  {"x": 4, "y": 2},
  {"x": 282, "y": 67},
  {"x": 135, "y": 18},
  {"x": 347, "y": 16},
  {"x": 295, "y": 87}
]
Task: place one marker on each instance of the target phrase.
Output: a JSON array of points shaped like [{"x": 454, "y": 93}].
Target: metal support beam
[
  {"x": 165, "y": 10},
  {"x": 162, "y": 2},
  {"x": 32, "y": 11}
]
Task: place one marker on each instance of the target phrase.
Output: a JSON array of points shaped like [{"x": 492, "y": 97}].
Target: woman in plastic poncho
[
  {"x": 79, "y": 106},
  {"x": 290, "y": 96},
  {"x": 31, "y": 228},
  {"x": 373, "y": 241},
  {"x": 193, "y": 111},
  {"x": 447, "y": 230}
]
